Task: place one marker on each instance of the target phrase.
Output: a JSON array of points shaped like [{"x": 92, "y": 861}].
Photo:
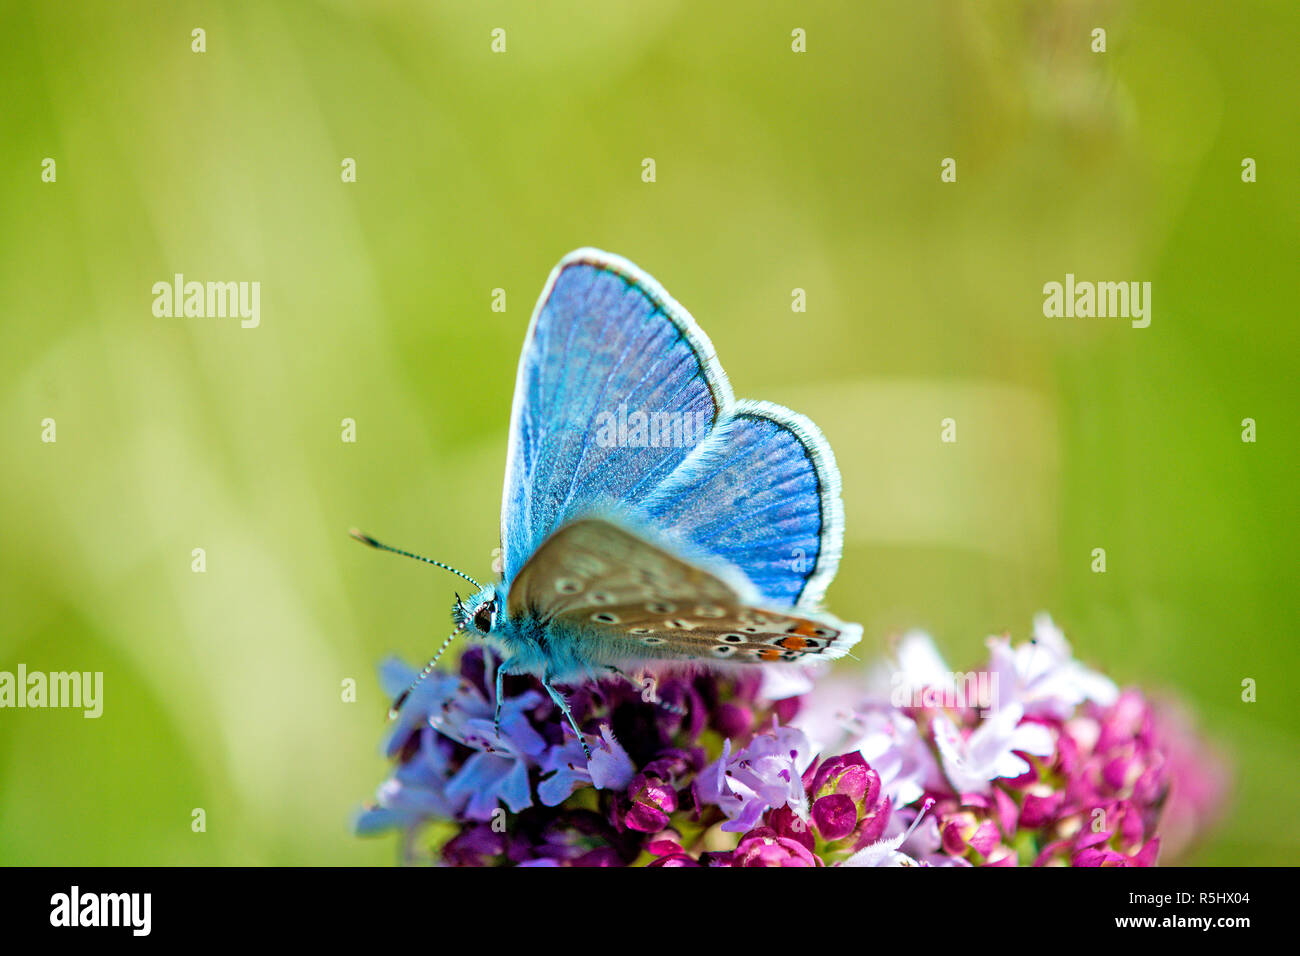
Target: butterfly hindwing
[
  {"x": 762, "y": 492},
  {"x": 619, "y": 597},
  {"x": 606, "y": 344}
]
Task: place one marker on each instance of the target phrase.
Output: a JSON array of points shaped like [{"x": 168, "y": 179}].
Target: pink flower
[
  {"x": 653, "y": 802},
  {"x": 763, "y": 847},
  {"x": 847, "y": 802},
  {"x": 1057, "y": 768}
]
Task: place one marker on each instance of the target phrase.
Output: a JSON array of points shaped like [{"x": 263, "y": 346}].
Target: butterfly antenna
[
  {"x": 366, "y": 539},
  {"x": 428, "y": 669}
]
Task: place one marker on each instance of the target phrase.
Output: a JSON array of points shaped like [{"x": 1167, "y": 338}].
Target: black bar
[{"x": 434, "y": 907}]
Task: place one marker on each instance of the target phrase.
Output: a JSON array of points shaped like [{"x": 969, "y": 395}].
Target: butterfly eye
[{"x": 485, "y": 616}]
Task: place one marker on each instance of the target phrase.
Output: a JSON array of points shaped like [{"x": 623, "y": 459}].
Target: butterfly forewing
[
  {"x": 605, "y": 345},
  {"x": 597, "y": 581}
]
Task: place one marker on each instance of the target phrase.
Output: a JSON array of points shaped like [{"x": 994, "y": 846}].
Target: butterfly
[{"x": 649, "y": 518}]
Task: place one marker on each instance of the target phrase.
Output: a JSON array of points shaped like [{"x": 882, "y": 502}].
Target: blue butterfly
[{"x": 648, "y": 516}]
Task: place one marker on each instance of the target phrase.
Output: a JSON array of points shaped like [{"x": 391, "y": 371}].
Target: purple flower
[
  {"x": 570, "y": 769},
  {"x": 416, "y": 791},
  {"x": 762, "y": 776},
  {"x": 474, "y": 845},
  {"x": 498, "y": 773},
  {"x": 430, "y": 696},
  {"x": 1055, "y": 770}
]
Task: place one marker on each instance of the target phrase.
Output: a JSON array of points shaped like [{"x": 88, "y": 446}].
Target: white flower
[
  {"x": 972, "y": 763},
  {"x": 778, "y": 683},
  {"x": 916, "y": 665},
  {"x": 892, "y": 745},
  {"x": 882, "y": 853},
  {"x": 1043, "y": 677},
  {"x": 886, "y": 852}
]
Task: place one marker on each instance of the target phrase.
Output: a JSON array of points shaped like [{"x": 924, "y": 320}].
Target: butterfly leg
[
  {"x": 502, "y": 669},
  {"x": 563, "y": 704}
]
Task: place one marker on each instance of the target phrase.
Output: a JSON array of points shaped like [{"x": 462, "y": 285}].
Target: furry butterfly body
[{"x": 648, "y": 517}]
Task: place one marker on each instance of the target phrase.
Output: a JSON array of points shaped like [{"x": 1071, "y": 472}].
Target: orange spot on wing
[
  {"x": 769, "y": 654},
  {"x": 794, "y": 643},
  {"x": 806, "y": 628}
]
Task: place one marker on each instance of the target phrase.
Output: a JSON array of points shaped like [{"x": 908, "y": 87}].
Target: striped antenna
[
  {"x": 428, "y": 669},
  {"x": 366, "y": 539}
]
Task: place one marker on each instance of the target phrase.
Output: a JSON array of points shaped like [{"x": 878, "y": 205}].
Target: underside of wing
[
  {"x": 606, "y": 584},
  {"x": 616, "y": 385}
]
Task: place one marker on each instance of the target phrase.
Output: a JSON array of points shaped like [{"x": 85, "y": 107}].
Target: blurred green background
[{"x": 477, "y": 171}]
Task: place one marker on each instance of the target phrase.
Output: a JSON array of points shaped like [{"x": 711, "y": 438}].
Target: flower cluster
[{"x": 1034, "y": 760}]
